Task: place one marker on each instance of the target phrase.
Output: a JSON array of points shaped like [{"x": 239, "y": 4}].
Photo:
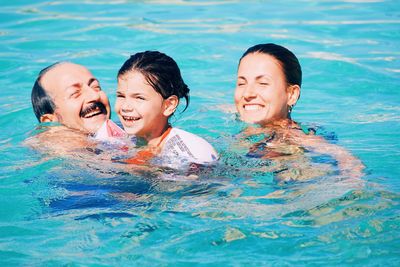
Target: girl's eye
[
  {"x": 264, "y": 84},
  {"x": 120, "y": 96},
  {"x": 140, "y": 98}
]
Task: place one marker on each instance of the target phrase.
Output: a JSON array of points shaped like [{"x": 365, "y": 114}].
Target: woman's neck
[{"x": 282, "y": 124}]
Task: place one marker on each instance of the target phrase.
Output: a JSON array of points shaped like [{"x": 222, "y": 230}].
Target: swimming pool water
[{"x": 56, "y": 211}]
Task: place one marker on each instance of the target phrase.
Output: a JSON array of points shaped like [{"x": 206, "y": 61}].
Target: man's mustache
[{"x": 93, "y": 106}]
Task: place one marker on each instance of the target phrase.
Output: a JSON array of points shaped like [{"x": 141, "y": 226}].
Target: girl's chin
[{"x": 130, "y": 130}]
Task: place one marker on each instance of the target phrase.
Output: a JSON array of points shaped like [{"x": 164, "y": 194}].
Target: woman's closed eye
[{"x": 240, "y": 83}]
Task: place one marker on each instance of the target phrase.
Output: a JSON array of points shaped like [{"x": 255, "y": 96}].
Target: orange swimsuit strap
[{"x": 145, "y": 155}]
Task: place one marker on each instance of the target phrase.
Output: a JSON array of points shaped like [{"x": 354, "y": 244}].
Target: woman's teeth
[{"x": 252, "y": 107}]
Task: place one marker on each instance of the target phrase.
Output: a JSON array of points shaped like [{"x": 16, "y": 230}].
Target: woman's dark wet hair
[
  {"x": 160, "y": 71},
  {"x": 41, "y": 101},
  {"x": 289, "y": 62}
]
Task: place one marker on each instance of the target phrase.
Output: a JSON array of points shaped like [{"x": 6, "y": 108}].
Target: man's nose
[{"x": 92, "y": 94}]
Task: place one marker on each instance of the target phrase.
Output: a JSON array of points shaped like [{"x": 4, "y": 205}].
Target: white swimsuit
[
  {"x": 180, "y": 148},
  {"x": 184, "y": 147}
]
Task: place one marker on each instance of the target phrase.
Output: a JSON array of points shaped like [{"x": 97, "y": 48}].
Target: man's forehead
[{"x": 63, "y": 76}]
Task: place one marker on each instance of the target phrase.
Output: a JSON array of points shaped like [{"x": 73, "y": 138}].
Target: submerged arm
[{"x": 348, "y": 164}]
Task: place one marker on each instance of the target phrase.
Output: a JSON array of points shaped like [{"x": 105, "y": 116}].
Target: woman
[{"x": 268, "y": 86}]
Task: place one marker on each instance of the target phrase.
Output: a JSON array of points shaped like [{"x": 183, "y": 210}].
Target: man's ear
[
  {"x": 170, "y": 105},
  {"x": 48, "y": 118},
  {"x": 293, "y": 92}
]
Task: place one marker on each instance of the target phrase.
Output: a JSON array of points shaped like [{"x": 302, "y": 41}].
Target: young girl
[
  {"x": 150, "y": 87},
  {"x": 268, "y": 86}
]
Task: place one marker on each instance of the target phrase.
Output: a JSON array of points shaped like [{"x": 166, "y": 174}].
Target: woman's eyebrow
[{"x": 262, "y": 77}]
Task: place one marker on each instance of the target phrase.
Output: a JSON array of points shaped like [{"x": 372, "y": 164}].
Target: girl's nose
[{"x": 126, "y": 106}]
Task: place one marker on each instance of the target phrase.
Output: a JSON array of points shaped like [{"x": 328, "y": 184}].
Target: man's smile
[{"x": 94, "y": 109}]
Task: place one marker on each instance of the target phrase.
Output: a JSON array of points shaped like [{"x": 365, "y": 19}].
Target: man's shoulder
[{"x": 57, "y": 140}]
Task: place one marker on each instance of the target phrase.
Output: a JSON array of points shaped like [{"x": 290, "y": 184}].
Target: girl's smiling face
[
  {"x": 262, "y": 94},
  {"x": 142, "y": 111}
]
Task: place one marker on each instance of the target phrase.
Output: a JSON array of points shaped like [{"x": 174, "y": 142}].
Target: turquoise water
[{"x": 56, "y": 212}]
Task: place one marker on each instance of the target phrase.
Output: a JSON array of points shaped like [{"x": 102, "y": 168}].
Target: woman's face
[
  {"x": 140, "y": 108},
  {"x": 262, "y": 94}
]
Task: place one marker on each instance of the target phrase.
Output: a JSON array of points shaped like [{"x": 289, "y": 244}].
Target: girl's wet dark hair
[
  {"x": 160, "y": 71},
  {"x": 41, "y": 101},
  {"x": 289, "y": 62}
]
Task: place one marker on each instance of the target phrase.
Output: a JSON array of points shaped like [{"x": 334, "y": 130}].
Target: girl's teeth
[{"x": 130, "y": 118}]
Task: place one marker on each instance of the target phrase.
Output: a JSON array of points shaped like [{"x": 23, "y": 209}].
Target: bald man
[{"x": 68, "y": 93}]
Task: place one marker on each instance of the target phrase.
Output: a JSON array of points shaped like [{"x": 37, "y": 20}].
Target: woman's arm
[{"x": 348, "y": 164}]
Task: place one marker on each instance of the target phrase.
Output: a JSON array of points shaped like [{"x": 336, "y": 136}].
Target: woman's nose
[{"x": 249, "y": 91}]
